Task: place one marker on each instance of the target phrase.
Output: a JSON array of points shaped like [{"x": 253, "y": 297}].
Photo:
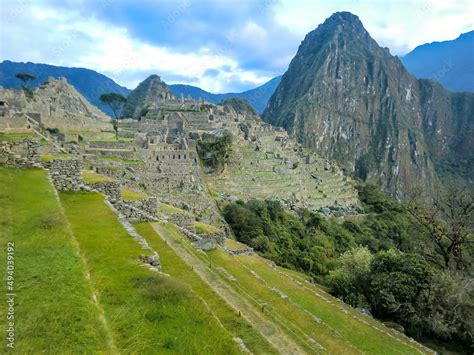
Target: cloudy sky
[{"x": 218, "y": 45}]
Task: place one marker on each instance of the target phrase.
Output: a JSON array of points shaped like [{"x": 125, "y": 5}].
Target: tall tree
[
  {"x": 25, "y": 78},
  {"x": 448, "y": 222},
  {"x": 115, "y": 102}
]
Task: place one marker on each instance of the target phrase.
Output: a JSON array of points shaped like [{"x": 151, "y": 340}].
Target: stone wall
[
  {"x": 20, "y": 154},
  {"x": 148, "y": 205},
  {"x": 111, "y": 144},
  {"x": 12, "y": 121},
  {"x": 133, "y": 213},
  {"x": 65, "y": 174},
  {"x": 184, "y": 221},
  {"x": 110, "y": 189}
]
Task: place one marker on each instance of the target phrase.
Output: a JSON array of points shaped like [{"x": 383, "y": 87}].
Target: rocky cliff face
[
  {"x": 147, "y": 94},
  {"x": 352, "y": 101}
]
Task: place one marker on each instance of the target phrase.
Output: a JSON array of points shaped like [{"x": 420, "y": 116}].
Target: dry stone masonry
[{"x": 20, "y": 153}]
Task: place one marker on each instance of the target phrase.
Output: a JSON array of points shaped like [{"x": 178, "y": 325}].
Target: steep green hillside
[
  {"x": 145, "y": 311},
  {"x": 294, "y": 315},
  {"x": 54, "y": 312}
]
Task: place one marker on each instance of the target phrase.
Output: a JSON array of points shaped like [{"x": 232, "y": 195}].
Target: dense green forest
[{"x": 409, "y": 265}]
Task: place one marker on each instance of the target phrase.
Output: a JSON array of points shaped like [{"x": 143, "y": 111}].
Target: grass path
[
  {"x": 146, "y": 311},
  {"x": 54, "y": 312},
  {"x": 173, "y": 265},
  {"x": 271, "y": 331}
]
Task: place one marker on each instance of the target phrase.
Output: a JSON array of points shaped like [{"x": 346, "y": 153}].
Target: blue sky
[{"x": 220, "y": 46}]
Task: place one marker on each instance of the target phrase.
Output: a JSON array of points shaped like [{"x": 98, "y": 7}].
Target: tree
[
  {"x": 448, "y": 223},
  {"x": 25, "y": 78},
  {"x": 398, "y": 287},
  {"x": 350, "y": 278},
  {"x": 115, "y": 102}
]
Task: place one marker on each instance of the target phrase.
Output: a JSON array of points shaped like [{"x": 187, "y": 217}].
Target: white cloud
[
  {"x": 86, "y": 42},
  {"x": 247, "y": 47},
  {"x": 398, "y": 25}
]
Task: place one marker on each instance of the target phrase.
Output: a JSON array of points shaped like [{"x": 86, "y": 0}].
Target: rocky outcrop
[{"x": 351, "y": 101}]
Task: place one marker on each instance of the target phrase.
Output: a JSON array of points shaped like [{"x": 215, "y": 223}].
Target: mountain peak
[
  {"x": 344, "y": 16},
  {"x": 343, "y": 22},
  {"x": 148, "y": 92},
  {"x": 347, "y": 98},
  {"x": 153, "y": 77}
]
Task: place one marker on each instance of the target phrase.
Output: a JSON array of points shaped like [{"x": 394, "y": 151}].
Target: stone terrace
[{"x": 284, "y": 171}]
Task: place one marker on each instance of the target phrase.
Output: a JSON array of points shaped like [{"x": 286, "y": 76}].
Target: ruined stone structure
[
  {"x": 54, "y": 104},
  {"x": 20, "y": 154},
  {"x": 265, "y": 162}
]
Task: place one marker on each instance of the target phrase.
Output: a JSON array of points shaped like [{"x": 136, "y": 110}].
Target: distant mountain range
[
  {"x": 89, "y": 83},
  {"x": 92, "y": 84},
  {"x": 450, "y": 62},
  {"x": 257, "y": 97}
]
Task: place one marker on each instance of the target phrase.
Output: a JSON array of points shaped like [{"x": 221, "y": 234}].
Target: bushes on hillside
[{"x": 386, "y": 262}]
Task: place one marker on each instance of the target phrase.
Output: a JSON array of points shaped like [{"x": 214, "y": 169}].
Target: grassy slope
[
  {"x": 54, "y": 312},
  {"x": 92, "y": 178},
  {"x": 131, "y": 195},
  {"x": 174, "y": 266},
  {"x": 146, "y": 311},
  {"x": 304, "y": 313}
]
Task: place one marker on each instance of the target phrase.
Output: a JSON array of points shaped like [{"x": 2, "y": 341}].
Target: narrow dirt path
[{"x": 271, "y": 331}]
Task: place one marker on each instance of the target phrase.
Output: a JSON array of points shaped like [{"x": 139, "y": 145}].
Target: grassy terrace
[
  {"x": 169, "y": 210},
  {"x": 206, "y": 228},
  {"x": 146, "y": 312},
  {"x": 93, "y": 178},
  {"x": 306, "y": 312},
  {"x": 174, "y": 266},
  {"x": 15, "y": 136},
  {"x": 46, "y": 158},
  {"x": 131, "y": 195},
  {"x": 53, "y": 311}
]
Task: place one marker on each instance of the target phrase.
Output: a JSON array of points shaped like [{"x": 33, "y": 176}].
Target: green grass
[
  {"x": 46, "y": 158},
  {"x": 358, "y": 334},
  {"x": 147, "y": 312},
  {"x": 206, "y": 228},
  {"x": 169, "y": 210},
  {"x": 233, "y": 244},
  {"x": 174, "y": 266},
  {"x": 15, "y": 136},
  {"x": 336, "y": 330},
  {"x": 131, "y": 195},
  {"x": 53, "y": 313},
  {"x": 93, "y": 178}
]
